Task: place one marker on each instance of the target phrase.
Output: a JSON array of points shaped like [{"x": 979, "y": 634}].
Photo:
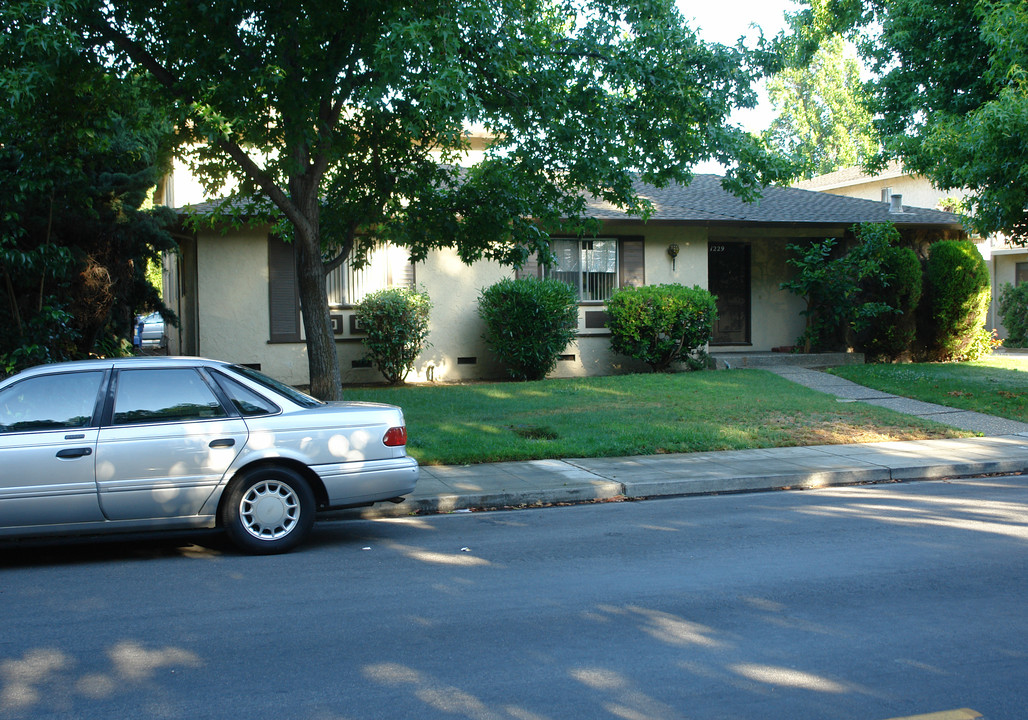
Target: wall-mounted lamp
[{"x": 672, "y": 250}]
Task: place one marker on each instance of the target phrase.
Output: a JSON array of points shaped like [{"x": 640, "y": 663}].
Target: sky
[{"x": 724, "y": 21}]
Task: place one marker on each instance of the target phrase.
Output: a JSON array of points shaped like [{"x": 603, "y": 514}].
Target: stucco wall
[
  {"x": 233, "y": 316},
  {"x": 1004, "y": 268},
  {"x": 232, "y": 296},
  {"x": 916, "y": 191},
  {"x": 456, "y": 350},
  {"x": 775, "y": 312}
]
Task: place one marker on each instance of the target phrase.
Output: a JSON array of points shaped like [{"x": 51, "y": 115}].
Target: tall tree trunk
[{"x": 322, "y": 358}]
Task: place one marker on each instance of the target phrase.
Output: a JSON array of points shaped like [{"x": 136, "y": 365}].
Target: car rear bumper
[{"x": 359, "y": 483}]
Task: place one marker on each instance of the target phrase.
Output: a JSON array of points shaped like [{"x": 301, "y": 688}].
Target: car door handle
[
  {"x": 74, "y": 452},
  {"x": 222, "y": 443}
]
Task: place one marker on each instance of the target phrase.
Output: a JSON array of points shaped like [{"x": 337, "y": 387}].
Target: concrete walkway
[
  {"x": 542, "y": 482},
  {"x": 848, "y": 391}
]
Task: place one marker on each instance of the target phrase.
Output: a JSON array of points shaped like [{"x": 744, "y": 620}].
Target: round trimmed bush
[
  {"x": 529, "y": 323},
  {"x": 396, "y": 323},
  {"x": 660, "y": 324},
  {"x": 958, "y": 288},
  {"x": 1013, "y": 308}
]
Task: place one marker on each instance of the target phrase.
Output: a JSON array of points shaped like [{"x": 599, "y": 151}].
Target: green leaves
[
  {"x": 661, "y": 324},
  {"x": 831, "y": 281},
  {"x": 80, "y": 153},
  {"x": 396, "y": 325},
  {"x": 948, "y": 93},
  {"x": 529, "y": 323},
  {"x": 821, "y": 117},
  {"x": 959, "y": 293},
  {"x": 1013, "y": 307}
]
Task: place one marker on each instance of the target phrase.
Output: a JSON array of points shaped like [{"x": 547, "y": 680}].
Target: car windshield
[{"x": 301, "y": 399}]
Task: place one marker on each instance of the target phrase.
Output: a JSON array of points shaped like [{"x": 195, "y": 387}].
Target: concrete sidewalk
[
  {"x": 848, "y": 391},
  {"x": 543, "y": 482}
]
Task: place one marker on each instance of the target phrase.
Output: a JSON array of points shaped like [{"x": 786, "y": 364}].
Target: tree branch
[
  {"x": 254, "y": 171},
  {"x": 165, "y": 77},
  {"x": 344, "y": 251},
  {"x": 143, "y": 58}
]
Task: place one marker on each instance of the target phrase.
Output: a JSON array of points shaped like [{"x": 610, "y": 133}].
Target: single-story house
[
  {"x": 235, "y": 292},
  {"x": 1007, "y": 263}
]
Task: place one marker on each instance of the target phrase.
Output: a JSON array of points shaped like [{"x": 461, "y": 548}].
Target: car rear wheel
[{"x": 268, "y": 510}]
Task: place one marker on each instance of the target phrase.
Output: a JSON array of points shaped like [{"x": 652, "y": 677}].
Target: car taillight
[{"x": 395, "y": 436}]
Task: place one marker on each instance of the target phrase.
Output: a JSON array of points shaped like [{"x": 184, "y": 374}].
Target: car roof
[{"x": 142, "y": 361}]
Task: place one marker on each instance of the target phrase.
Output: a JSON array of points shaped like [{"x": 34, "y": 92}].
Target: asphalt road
[{"x": 871, "y": 602}]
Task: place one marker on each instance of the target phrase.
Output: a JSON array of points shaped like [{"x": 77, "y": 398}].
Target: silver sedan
[{"x": 171, "y": 443}]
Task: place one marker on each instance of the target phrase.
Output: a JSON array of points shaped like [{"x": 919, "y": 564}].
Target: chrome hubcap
[{"x": 270, "y": 510}]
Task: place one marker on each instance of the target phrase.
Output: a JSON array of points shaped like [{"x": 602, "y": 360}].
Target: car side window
[
  {"x": 50, "y": 402},
  {"x": 247, "y": 402},
  {"x": 164, "y": 395}
]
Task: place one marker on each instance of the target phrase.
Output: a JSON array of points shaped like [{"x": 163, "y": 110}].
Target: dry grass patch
[{"x": 835, "y": 430}]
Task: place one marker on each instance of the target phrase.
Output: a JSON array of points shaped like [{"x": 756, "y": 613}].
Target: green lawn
[
  {"x": 632, "y": 415},
  {"x": 997, "y": 385}
]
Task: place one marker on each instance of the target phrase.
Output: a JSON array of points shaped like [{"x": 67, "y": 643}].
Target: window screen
[
  {"x": 589, "y": 266},
  {"x": 388, "y": 266}
]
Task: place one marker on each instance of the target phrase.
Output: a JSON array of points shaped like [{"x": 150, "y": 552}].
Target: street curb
[
  {"x": 605, "y": 489},
  {"x": 755, "y": 483},
  {"x": 441, "y": 504}
]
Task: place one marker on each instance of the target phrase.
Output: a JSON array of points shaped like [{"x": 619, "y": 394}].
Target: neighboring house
[
  {"x": 1007, "y": 263},
  {"x": 236, "y": 296}
]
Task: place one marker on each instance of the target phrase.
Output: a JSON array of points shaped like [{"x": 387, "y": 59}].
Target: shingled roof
[
  {"x": 849, "y": 176},
  {"x": 704, "y": 201}
]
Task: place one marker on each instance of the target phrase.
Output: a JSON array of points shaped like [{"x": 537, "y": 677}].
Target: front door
[
  {"x": 47, "y": 445},
  {"x": 728, "y": 277}
]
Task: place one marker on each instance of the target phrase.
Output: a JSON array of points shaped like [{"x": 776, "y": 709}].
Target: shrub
[
  {"x": 831, "y": 282},
  {"x": 660, "y": 324},
  {"x": 529, "y": 323},
  {"x": 1013, "y": 308},
  {"x": 899, "y": 286},
  {"x": 48, "y": 337},
  {"x": 396, "y": 323},
  {"x": 958, "y": 288}
]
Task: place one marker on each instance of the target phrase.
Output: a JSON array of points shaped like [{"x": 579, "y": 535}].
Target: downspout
[{"x": 180, "y": 306}]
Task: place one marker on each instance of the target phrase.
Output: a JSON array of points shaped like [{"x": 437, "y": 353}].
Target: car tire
[{"x": 268, "y": 510}]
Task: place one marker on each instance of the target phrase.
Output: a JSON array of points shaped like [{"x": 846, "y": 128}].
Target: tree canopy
[
  {"x": 349, "y": 117},
  {"x": 821, "y": 120},
  {"x": 80, "y": 152},
  {"x": 949, "y": 93}
]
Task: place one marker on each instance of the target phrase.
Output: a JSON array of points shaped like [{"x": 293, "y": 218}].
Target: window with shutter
[
  {"x": 283, "y": 292},
  {"x": 596, "y": 267},
  {"x": 530, "y": 269},
  {"x": 633, "y": 264},
  {"x": 387, "y": 266}
]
